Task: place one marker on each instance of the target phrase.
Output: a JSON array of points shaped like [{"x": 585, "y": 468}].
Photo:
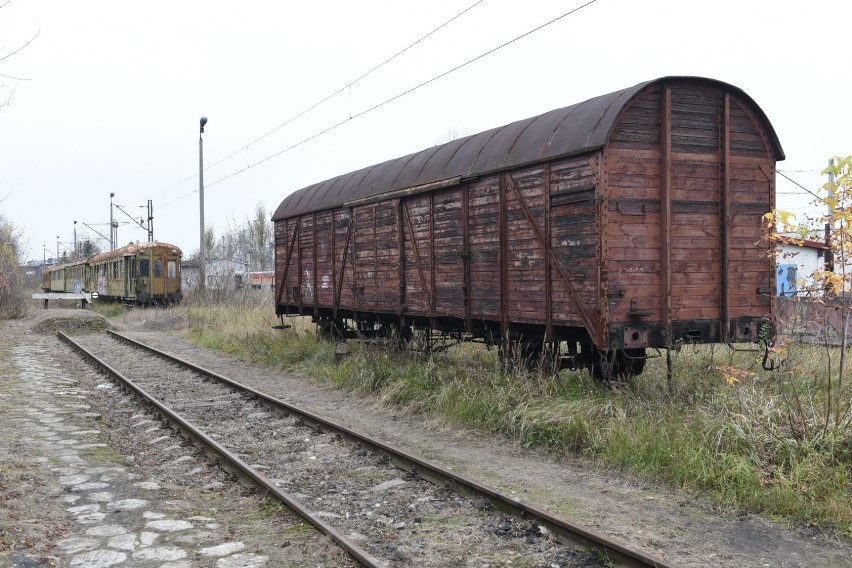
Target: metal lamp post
[
  {"x": 76, "y": 252},
  {"x": 202, "y": 253},
  {"x": 112, "y": 234}
]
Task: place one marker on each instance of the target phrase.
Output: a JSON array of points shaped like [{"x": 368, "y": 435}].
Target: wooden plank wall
[
  {"x": 632, "y": 169},
  {"x": 433, "y": 238},
  {"x": 283, "y": 236},
  {"x": 752, "y": 179},
  {"x": 375, "y": 258},
  {"x": 365, "y": 255},
  {"x": 343, "y": 270},
  {"x": 696, "y": 220},
  {"x": 693, "y": 236},
  {"x": 574, "y": 236},
  {"x": 696, "y": 248},
  {"x": 526, "y": 255},
  {"x": 448, "y": 239},
  {"x": 419, "y": 254},
  {"x": 324, "y": 259},
  {"x": 447, "y": 244},
  {"x": 483, "y": 223},
  {"x": 305, "y": 268}
]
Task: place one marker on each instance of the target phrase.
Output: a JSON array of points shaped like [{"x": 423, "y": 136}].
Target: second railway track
[{"x": 383, "y": 506}]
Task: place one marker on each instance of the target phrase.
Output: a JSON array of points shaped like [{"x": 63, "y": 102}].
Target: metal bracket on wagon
[{"x": 767, "y": 363}]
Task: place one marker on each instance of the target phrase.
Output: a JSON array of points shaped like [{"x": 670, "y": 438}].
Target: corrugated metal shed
[{"x": 572, "y": 130}]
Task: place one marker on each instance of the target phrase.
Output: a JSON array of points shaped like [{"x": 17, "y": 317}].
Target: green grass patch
[
  {"x": 104, "y": 455},
  {"x": 109, "y": 310},
  {"x": 750, "y": 440}
]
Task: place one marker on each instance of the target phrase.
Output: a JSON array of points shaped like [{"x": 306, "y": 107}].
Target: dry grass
[{"x": 745, "y": 438}]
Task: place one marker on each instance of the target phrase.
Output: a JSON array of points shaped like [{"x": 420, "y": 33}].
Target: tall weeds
[{"x": 728, "y": 431}]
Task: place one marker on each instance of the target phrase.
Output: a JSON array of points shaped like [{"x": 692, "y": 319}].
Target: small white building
[
  {"x": 220, "y": 273},
  {"x": 796, "y": 263}
]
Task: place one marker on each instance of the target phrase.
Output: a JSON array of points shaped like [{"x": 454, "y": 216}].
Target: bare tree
[
  {"x": 12, "y": 295},
  {"x": 4, "y": 57},
  {"x": 209, "y": 240},
  {"x": 260, "y": 231},
  {"x": 249, "y": 243}
]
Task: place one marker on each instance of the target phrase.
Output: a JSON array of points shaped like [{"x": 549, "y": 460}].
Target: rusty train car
[
  {"x": 630, "y": 221},
  {"x": 68, "y": 277},
  {"x": 141, "y": 273}
]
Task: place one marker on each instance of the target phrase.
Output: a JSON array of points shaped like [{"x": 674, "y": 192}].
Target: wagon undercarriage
[{"x": 526, "y": 347}]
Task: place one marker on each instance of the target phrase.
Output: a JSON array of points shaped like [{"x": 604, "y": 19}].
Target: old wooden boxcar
[{"x": 628, "y": 221}]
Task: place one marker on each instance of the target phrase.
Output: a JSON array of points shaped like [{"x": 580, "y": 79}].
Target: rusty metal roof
[
  {"x": 66, "y": 265},
  {"x": 130, "y": 250},
  {"x": 575, "y": 129}
]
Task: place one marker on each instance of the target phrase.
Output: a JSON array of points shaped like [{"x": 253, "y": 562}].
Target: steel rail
[
  {"x": 563, "y": 530},
  {"x": 360, "y": 555}
]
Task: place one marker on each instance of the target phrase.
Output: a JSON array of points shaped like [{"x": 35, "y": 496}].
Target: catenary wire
[
  {"x": 327, "y": 98},
  {"x": 798, "y": 184},
  {"x": 383, "y": 103}
]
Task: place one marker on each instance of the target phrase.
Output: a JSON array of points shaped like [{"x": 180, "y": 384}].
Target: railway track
[{"x": 384, "y": 507}]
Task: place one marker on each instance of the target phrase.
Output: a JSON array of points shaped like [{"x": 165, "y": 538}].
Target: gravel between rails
[{"x": 396, "y": 516}]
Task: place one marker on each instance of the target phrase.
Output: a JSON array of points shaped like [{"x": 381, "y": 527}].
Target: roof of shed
[
  {"x": 567, "y": 131},
  {"x": 793, "y": 240}
]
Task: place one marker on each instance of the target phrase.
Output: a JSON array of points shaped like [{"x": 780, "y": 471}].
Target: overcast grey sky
[{"x": 111, "y": 92}]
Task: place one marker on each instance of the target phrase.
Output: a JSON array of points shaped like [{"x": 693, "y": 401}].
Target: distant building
[
  {"x": 220, "y": 273},
  {"x": 797, "y": 261},
  {"x": 255, "y": 280},
  {"x": 33, "y": 269}
]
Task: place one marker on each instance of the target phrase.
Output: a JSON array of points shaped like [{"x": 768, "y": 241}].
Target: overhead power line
[
  {"x": 798, "y": 184},
  {"x": 327, "y": 98},
  {"x": 386, "y": 101},
  {"x": 350, "y": 84}
]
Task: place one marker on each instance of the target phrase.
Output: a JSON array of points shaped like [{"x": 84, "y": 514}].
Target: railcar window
[
  {"x": 158, "y": 268},
  {"x": 144, "y": 267},
  {"x": 171, "y": 269}
]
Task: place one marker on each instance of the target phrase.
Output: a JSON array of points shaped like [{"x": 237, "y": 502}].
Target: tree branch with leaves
[{"x": 832, "y": 285}]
